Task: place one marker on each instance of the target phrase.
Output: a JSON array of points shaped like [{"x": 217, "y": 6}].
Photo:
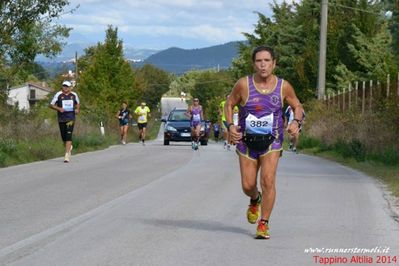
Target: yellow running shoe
[
  {"x": 253, "y": 210},
  {"x": 262, "y": 231}
]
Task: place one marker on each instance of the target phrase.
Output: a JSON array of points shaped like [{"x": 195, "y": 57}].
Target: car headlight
[{"x": 170, "y": 128}]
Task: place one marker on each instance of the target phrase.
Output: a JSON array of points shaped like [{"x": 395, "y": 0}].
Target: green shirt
[
  {"x": 142, "y": 114},
  {"x": 222, "y": 107}
]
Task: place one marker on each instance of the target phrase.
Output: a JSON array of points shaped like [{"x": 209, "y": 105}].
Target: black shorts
[
  {"x": 142, "y": 125},
  {"x": 66, "y": 129}
]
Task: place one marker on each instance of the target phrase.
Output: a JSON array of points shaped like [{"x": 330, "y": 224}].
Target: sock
[
  {"x": 264, "y": 221},
  {"x": 257, "y": 200}
]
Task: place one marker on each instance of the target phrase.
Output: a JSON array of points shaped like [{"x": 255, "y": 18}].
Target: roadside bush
[
  {"x": 89, "y": 140},
  {"x": 8, "y": 145},
  {"x": 42, "y": 151},
  {"x": 3, "y": 158},
  {"x": 353, "y": 148},
  {"x": 358, "y": 150},
  {"x": 307, "y": 142},
  {"x": 389, "y": 156}
]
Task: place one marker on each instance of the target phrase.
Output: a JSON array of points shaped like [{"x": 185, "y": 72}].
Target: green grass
[
  {"x": 387, "y": 173},
  {"x": 13, "y": 152}
]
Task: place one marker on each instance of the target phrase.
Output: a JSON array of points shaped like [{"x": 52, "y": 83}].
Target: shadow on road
[{"x": 196, "y": 225}]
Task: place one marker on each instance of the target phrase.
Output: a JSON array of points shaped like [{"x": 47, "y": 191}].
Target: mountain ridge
[
  {"x": 178, "y": 60},
  {"x": 174, "y": 59}
]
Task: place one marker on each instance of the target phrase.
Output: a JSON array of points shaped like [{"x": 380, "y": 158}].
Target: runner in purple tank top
[
  {"x": 259, "y": 134},
  {"x": 196, "y": 116}
]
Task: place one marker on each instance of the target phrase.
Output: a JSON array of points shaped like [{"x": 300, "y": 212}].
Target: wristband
[{"x": 229, "y": 125}]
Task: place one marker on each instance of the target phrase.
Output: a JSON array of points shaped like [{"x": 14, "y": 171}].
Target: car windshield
[{"x": 178, "y": 115}]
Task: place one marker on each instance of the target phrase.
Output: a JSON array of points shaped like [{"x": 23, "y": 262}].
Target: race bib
[
  {"x": 142, "y": 118},
  {"x": 196, "y": 117},
  {"x": 263, "y": 125},
  {"x": 67, "y": 105}
]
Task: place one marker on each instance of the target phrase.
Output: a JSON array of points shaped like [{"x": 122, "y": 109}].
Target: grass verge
[{"x": 387, "y": 174}]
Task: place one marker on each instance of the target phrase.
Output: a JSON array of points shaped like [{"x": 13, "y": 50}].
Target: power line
[
  {"x": 203, "y": 82},
  {"x": 354, "y": 8}
]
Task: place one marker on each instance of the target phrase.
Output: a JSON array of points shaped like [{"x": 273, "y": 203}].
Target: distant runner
[
  {"x": 124, "y": 116},
  {"x": 142, "y": 112},
  {"x": 224, "y": 123},
  {"x": 289, "y": 118},
  {"x": 196, "y": 115},
  {"x": 67, "y": 104}
]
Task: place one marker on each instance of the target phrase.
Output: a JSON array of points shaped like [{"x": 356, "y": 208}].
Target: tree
[
  {"x": 156, "y": 84},
  {"x": 27, "y": 29},
  {"x": 107, "y": 78},
  {"x": 294, "y": 33},
  {"x": 392, "y": 7},
  {"x": 381, "y": 61},
  {"x": 210, "y": 87}
]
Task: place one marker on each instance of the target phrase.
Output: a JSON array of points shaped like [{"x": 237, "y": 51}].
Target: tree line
[{"x": 362, "y": 44}]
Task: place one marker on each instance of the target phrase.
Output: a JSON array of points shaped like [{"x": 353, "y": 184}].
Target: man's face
[
  {"x": 264, "y": 64},
  {"x": 65, "y": 88}
]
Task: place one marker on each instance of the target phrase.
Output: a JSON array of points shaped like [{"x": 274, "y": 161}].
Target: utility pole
[
  {"x": 76, "y": 69},
  {"x": 321, "y": 84}
]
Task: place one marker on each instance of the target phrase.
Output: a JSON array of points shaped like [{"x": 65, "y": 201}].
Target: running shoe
[
  {"x": 254, "y": 210},
  {"x": 262, "y": 231},
  {"x": 193, "y": 145},
  {"x": 290, "y": 147},
  {"x": 66, "y": 157}
]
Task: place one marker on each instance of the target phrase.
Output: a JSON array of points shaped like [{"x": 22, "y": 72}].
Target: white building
[{"x": 26, "y": 95}]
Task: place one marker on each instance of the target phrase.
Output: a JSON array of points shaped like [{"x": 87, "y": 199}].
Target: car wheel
[{"x": 165, "y": 142}]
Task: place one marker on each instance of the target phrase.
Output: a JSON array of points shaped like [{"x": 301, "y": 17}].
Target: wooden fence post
[
  {"x": 333, "y": 100},
  {"x": 379, "y": 87},
  {"x": 356, "y": 94},
  {"x": 328, "y": 101},
  {"x": 388, "y": 78},
  {"x": 339, "y": 100},
  {"x": 350, "y": 94},
  {"x": 371, "y": 93},
  {"x": 343, "y": 99},
  {"x": 363, "y": 96}
]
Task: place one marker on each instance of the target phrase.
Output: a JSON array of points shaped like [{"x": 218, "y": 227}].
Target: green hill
[{"x": 178, "y": 61}]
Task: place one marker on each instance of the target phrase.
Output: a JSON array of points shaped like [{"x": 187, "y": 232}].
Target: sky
[{"x": 161, "y": 24}]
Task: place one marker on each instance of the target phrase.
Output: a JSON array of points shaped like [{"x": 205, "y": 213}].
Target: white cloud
[{"x": 207, "y": 21}]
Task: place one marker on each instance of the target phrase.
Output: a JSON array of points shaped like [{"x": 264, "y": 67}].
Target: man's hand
[
  {"x": 293, "y": 128},
  {"x": 235, "y": 136}
]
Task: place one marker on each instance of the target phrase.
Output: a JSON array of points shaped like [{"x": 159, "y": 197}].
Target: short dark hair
[{"x": 263, "y": 48}]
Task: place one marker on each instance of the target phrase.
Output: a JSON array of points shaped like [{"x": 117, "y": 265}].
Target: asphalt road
[{"x": 169, "y": 205}]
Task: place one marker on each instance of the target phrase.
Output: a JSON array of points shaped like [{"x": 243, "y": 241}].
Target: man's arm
[
  {"x": 77, "y": 108},
  {"x": 53, "y": 104},
  {"x": 290, "y": 97},
  {"x": 236, "y": 97}
]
